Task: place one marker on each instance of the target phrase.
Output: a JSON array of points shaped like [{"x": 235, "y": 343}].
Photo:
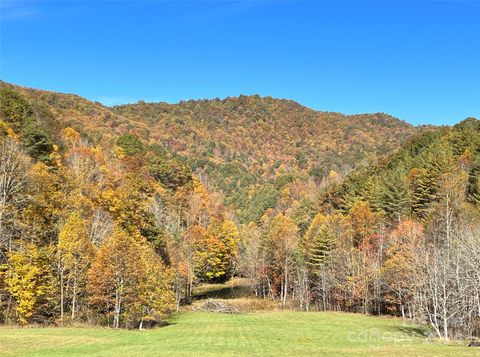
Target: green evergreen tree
[
  {"x": 170, "y": 173},
  {"x": 14, "y": 108},
  {"x": 473, "y": 186},
  {"x": 424, "y": 193},
  {"x": 130, "y": 144},
  {"x": 395, "y": 200},
  {"x": 433, "y": 164},
  {"x": 303, "y": 215},
  {"x": 36, "y": 142},
  {"x": 466, "y": 136},
  {"x": 321, "y": 249}
]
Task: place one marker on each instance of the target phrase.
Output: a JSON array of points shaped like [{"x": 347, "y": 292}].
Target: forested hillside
[
  {"x": 112, "y": 215},
  {"x": 267, "y": 136},
  {"x": 253, "y": 150},
  {"x": 400, "y": 237}
]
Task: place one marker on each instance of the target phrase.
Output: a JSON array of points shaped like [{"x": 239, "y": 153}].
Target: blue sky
[{"x": 419, "y": 61}]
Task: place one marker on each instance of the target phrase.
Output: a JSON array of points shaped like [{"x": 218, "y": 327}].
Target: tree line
[
  {"x": 114, "y": 236},
  {"x": 118, "y": 233},
  {"x": 401, "y": 238}
]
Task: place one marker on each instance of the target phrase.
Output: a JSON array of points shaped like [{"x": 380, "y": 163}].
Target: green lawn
[{"x": 253, "y": 334}]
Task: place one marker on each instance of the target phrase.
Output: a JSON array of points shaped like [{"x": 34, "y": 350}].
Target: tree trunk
[
  {"x": 7, "y": 310},
  {"x": 285, "y": 285},
  {"x": 61, "y": 295},
  {"x": 118, "y": 304},
  {"x": 74, "y": 297}
]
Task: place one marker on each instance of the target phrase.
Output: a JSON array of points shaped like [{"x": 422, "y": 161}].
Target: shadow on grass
[
  {"x": 219, "y": 293},
  {"x": 238, "y": 289},
  {"x": 152, "y": 325},
  {"x": 413, "y": 331}
]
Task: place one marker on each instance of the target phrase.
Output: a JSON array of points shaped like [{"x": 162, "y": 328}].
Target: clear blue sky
[{"x": 419, "y": 61}]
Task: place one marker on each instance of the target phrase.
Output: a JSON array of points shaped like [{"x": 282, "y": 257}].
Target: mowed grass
[{"x": 277, "y": 333}]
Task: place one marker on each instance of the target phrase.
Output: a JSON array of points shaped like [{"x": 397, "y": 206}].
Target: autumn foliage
[{"x": 112, "y": 216}]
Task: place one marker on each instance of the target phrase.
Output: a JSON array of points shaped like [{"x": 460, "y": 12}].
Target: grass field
[{"x": 254, "y": 334}]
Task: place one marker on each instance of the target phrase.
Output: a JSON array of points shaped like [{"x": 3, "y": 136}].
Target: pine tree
[
  {"x": 431, "y": 166},
  {"x": 14, "y": 108},
  {"x": 395, "y": 199},
  {"x": 424, "y": 194},
  {"x": 318, "y": 246},
  {"x": 320, "y": 250},
  {"x": 473, "y": 186}
]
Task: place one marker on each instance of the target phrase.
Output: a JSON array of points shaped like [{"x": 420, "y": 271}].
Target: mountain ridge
[
  {"x": 215, "y": 99},
  {"x": 240, "y": 145}
]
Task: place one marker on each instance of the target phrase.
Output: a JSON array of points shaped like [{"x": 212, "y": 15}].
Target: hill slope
[
  {"x": 408, "y": 184},
  {"x": 263, "y": 134},
  {"x": 248, "y": 147}
]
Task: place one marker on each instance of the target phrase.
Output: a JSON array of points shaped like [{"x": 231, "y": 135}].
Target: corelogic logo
[{"x": 407, "y": 332}]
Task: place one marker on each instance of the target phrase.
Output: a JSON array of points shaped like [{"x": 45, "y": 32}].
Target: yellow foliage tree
[
  {"x": 283, "y": 239},
  {"x": 219, "y": 251},
  {"x": 23, "y": 279},
  {"x": 115, "y": 275},
  {"x": 156, "y": 297},
  {"x": 74, "y": 254}
]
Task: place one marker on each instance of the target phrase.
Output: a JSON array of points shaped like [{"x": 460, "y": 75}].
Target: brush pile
[{"x": 218, "y": 306}]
